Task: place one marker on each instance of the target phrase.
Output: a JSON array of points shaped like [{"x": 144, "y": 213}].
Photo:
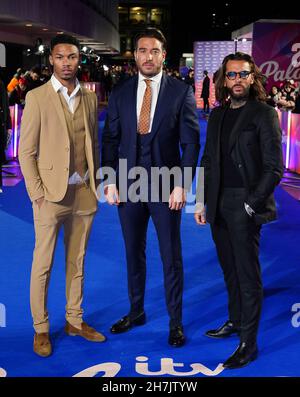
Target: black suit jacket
[
  {"x": 205, "y": 87},
  {"x": 175, "y": 125},
  {"x": 255, "y": 148}
]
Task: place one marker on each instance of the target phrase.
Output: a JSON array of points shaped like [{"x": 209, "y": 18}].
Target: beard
[
  {"x": 244, "y": 95},
  {"x": 150, "y": 73}
]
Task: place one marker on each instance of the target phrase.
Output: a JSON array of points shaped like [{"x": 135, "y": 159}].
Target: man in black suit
[
  {"x": 205, "y": 92},
  {"x": 242, "y": 165},
  {"x": 150, "y": 116}
]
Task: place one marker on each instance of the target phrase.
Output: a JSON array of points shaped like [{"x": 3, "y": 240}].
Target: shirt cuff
[
  {"x": 199, "y": 208},
  {"x": 250, "y": 211}
]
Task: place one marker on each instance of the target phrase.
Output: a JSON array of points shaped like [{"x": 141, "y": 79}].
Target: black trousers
[
  {"x": 134, "y": 218},
  {"x": 205, "y": 104},
  {"x": 237, "y": 241}
]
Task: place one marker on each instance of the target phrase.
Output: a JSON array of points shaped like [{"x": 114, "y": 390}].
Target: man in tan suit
[{"x": 59, "y": 157}]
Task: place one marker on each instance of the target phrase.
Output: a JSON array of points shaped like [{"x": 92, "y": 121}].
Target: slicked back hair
[{"x": 151, "y": 33}]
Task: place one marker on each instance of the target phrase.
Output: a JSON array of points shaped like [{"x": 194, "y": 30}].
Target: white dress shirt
[
  {"x": 70, "y": 99},
  {"x": 155, "y": 86}
]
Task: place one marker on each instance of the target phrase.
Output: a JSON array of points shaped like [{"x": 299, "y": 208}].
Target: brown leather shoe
[
  {"x": 42, "y": 345},
  {"x": 86, "y": 332}
]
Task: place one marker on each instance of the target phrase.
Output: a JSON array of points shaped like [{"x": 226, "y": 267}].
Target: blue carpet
[{"x": 205, "y": 301}]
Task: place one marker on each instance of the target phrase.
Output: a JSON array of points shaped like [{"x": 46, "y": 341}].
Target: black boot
[
  {"x": 244, "y": 354},
  {"x": 176, "y": 337}
]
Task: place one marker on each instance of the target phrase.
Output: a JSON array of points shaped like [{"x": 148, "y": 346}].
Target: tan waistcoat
[{"x": 76, "y": 129}]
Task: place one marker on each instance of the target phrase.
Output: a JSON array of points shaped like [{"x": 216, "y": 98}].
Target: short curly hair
[{"x": 64, "y": 39}]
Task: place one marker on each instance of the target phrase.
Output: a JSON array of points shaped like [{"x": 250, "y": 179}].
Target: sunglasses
[{"x": 244, "y": 74}]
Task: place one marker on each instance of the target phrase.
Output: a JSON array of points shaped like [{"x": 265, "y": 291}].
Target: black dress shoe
[
  {"x": 176, "y": 337},
  {"x": 126, "y": 323},
  {"x": 224, "y": 331},
  {"x": 244, "y": 354}
]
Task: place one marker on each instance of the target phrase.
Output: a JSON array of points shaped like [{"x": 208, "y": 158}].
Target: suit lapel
[
  {"x": 85, "y": 107},
  {"x": 88, "y": 136},
  {"x": 246, "y": 114},
  {"x": 160, "y": 105},
  {"x": 131, "y": 105},
  {"x": 218, "y": 132},
  {"x": 58, "y": 107}
]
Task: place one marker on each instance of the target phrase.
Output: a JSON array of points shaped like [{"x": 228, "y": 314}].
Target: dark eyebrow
[
  {"x": 61, "y": 55},
  {"x": 144, "y": 48}
]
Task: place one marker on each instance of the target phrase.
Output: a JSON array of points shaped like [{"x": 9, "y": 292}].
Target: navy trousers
[{"x": 134, "y": 218}]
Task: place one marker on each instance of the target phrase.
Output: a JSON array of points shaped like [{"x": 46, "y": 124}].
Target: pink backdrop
[{"x": 276, "y": 50}]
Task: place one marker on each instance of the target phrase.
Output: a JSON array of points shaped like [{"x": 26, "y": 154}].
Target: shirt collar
[
  {"x": 156, "y": 78},
  {"x": 58, "y": 86}
]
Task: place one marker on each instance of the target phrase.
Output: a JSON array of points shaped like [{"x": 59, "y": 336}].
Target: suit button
[{"x": 240, "y": 166}]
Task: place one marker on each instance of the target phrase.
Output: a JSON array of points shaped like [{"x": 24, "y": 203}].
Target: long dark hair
[{"x": 257, "y": 90}]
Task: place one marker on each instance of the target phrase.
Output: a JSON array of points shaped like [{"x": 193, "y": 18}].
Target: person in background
[
  {"x": 274, "y": 96},
  {"x": 45, "y": 74},
  {"x": 5, "y": 127},
  {"x": 205, "y": 92},
  {"x": 297, "y": 101},
  {"x": 14, "y": 81},
  {"x": 33, "y": 78},
  {"x": 17, "y": 96},
  {"x": 190, "y": 79},
  {"x": 288, "y": 98}
]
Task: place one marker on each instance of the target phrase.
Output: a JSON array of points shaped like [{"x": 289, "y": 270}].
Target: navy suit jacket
[{"x": 175, "y": 126}]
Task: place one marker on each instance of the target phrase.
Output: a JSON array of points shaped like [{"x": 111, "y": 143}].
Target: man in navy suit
[{"x": 150, "y": 117}]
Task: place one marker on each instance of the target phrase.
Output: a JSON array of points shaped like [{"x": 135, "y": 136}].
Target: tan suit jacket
[{"x": 44, "y": 150}]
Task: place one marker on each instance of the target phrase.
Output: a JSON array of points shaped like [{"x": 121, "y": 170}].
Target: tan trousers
[{"x": 75, "y": 212}]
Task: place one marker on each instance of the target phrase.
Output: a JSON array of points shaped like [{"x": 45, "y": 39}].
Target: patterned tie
[{"x": 144, "y": 120}]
